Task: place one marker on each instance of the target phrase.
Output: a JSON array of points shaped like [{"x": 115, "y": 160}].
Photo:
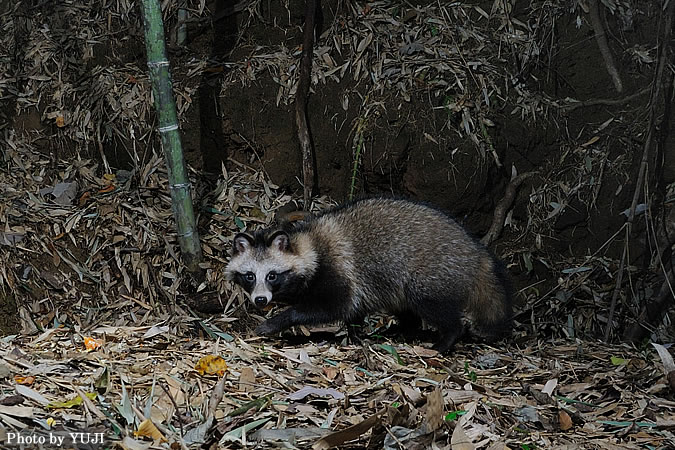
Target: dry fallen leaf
[
  {"x": 348, "y": 434},
  {"x": 434, "y": 411},
  {"x": 107, "y": 252},
  {"x": 27, "y": 381},
  {"x": 148, "y": 429},
  {"x": 330, "y": 372},
  {"x": 460, "y": 441},
  {"x": 565, "y": 420},
  {"x": 319, "y": 392},
  {"x": 246, "y": 379}
]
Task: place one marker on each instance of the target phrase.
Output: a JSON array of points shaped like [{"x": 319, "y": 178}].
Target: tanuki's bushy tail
[{"x": 490, "y": 301}]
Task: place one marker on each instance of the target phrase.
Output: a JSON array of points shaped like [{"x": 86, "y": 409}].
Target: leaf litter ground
[{"x": 110, "y": 342}]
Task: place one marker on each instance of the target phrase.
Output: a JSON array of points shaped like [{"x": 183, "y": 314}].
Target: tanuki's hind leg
[
  {"x": 409, "y": 322},
  {"x": 355, "y": 329},
  {"x": 446, "y": 319}
]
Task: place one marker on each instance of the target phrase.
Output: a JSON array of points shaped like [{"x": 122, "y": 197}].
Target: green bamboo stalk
[{"x": 162, "y": 91}]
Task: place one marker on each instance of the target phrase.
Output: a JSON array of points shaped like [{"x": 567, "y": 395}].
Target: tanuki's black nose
[{"x": 260, "y": 302}]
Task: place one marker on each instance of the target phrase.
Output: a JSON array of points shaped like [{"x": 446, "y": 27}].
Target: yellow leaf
[
  {"x": 76, "y": 401},
  {"x": 27, "y": 381},
  {"x": 60, "y": 121},
  {"x": 51, "y": 421},
  {"x": 210, "y": 365},
  {"x": 148, "y": 429}
]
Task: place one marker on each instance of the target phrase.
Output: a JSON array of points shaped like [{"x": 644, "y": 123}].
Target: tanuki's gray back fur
[
  {"x": 370, "y": 255},
  {"x": 389, "y": 248}
]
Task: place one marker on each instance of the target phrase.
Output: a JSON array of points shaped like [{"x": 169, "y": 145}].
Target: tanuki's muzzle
[{"x": 260, "y": 302}]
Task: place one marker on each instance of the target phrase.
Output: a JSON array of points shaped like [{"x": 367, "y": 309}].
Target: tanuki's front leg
[{"x": 295, "y": 315}]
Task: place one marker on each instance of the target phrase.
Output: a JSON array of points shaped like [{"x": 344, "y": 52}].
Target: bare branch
[
  {"x": 601, "y": 39},
  {"x": 301, "y": 102}
]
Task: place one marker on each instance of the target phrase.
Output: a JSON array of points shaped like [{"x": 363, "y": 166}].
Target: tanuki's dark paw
[
  {"x": 266, "y": 328},
  {"x": 445, "y": 346}
]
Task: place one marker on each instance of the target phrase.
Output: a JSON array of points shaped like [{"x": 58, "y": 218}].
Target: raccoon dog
[{"x": 374, "y": 255}]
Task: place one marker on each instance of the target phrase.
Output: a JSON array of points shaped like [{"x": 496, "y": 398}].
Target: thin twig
[
  {"x": 617, "y": 287},
  {"x": 601, "y": 39},
  {"x": 175, "y": 407}
]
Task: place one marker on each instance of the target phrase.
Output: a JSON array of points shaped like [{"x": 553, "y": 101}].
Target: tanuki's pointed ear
[
  {"x": 242, "y": 243},
  {"x": 280, "y": 240}
]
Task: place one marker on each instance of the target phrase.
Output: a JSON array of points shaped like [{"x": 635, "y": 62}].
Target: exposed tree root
[
  {"x": 503, "y": 207},
  {"x": 606, "y": 102}
]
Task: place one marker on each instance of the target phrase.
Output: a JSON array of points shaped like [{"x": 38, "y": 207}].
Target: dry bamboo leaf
[
  {"x": 666, "y": 358},
  {"x": 106, "y": 255},
  {"x": 246, "y": 379},
  {"x": 550, "y": 386},
  {"x": 320, "y": 392},
  {"x": 17, "y": 411},
  {"x": 348, "y": 434},
  {"x": 459, "y": 440},
  {"x": 434, "y": 410}
]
